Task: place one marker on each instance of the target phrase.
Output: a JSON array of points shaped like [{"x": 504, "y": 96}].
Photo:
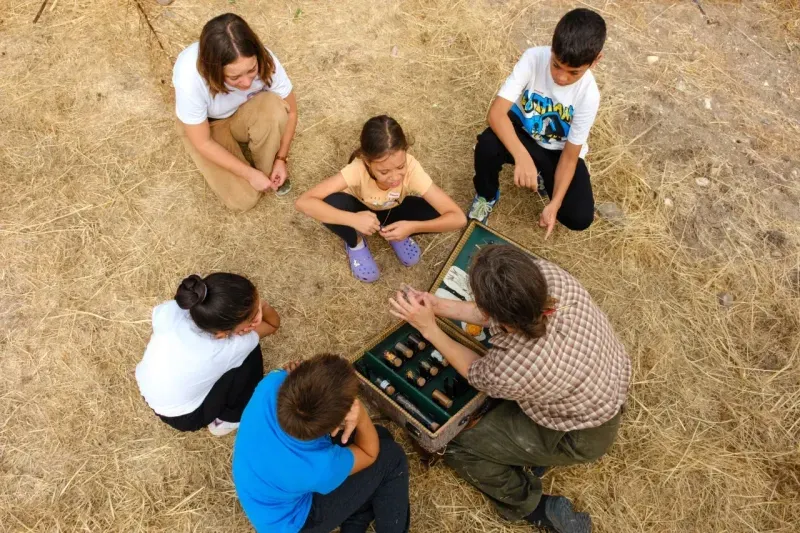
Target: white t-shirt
[
  {"x": 181, "y": 362},
  {"x": 551, "y": 113},
  {"x": 193, "y": 100}
]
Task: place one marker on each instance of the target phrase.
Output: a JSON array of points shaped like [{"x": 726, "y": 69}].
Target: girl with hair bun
[{"x": 203, "y": 361}]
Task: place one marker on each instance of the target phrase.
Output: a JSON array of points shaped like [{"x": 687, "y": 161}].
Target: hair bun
[{"x": 192, "y": 291}]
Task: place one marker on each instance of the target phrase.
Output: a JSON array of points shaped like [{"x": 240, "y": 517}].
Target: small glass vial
[
  {"x": 417, "y": 342},
  {"x": 442, "y": 399},
  {"x": 415, "y": 378},
  {"x": 440, "y": 359},
  {"x": 384, "y": 385},
  {"x": 426, "y": 368},
  {"x": 392, "y": 359},
  {"x": 407, "y": 352}
]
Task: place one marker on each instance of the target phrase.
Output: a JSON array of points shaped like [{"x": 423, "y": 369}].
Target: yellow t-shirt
[{"x": 361, "y": 185}]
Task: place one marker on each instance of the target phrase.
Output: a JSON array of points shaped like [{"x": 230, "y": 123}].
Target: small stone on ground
[
  {"x": 725, "y": 299},
  {"x": 609, "y": 211}
]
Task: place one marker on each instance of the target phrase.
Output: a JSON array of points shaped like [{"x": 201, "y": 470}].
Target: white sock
[{"x": 358, "y": 246}]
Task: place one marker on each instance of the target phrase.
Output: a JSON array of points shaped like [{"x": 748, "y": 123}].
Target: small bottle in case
[
  {"x": 407, "y": 352},
  {"x": 426, "y": 368},
  {"x": 440, "y": 359},
  {"x": 392, "y": 359},
  {"x": 406, "y": 404},
  {"x": 415, "y": 378},
  {"x": 417, "y": 342},
  {"x": 384, "y": 385},
  {"x": 442, "y": 399}
]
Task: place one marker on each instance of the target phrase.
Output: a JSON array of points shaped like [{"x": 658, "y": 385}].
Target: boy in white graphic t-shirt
[{"x": 540, "y": 121}]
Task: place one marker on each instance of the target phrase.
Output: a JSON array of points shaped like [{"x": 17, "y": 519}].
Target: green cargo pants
[{"x": 492, "y": 456}]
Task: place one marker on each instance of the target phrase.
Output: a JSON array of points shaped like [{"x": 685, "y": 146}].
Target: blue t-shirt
[{"x": 276, "y": 474}]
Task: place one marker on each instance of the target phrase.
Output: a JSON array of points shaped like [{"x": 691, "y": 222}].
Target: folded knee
[
  {"x": 577, "y": 221},
  {"x": 489, "y": 144},
  {"x": 244, "y": 203},
  {"x": 270, "y": 107},
  {"x": 392, "y": 453}
]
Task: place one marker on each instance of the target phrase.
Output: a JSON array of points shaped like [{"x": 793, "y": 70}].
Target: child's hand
[
  {"x": 291, "y": 366},
  {"x": 269, "y": 315},
  {"x": 397, "y": 231},
  {"x": 350, "y": 422},
  {"x": 525, "y": 173},
  {"x": 365, "y": 222},
  {"x": 548, "y": 218}
]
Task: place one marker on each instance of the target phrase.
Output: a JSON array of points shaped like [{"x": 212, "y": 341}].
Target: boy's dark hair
[
  {"x": 225, "y": 39},
  {"x": 380, "y": 136},
  {"x": 579, "y": 37},
  {"x": 316, "y": 396},
  {"x": 510, "y": 288},
  {"x": 220, "y": 302}
]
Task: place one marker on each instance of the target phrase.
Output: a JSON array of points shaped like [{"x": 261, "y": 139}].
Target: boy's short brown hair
[
  {"x": 315, "y": 397},
  {"x": 509, "y": 287}
]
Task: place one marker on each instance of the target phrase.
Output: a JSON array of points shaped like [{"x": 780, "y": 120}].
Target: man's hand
[
  {"x": 259, "y": 181},
  {"x": 548, "y": 218},
  {"x": 279, "y": 173},
  {"x": 525, "y": 172},
  {"x": 416, "y": 313},
  {"x": 397, "y": 231},
  {"x": 365, "y": 222},
  {"x": 350, "y": 421},
  {"x": 423, "y": 298}
]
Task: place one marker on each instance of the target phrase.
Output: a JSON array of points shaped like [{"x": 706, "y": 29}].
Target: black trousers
[
  {"x": 378, "y": 493},
  {"x": 227, "y": 398},
  {"x": 412, "y": 208},
  {"x": 577, "y": 209}
]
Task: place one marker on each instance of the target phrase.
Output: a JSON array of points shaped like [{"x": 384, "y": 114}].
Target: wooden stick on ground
[
  {"x": 149, "y": 25},
  {"x": 39, "y": 14}
]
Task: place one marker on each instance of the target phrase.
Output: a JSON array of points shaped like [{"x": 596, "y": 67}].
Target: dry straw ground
[{"x": 102, "y": 213}]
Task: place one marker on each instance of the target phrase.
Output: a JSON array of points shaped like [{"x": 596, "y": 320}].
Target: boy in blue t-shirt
[
  {"x": 291, "y": 477},
  {"x": 540, "y": 122}
]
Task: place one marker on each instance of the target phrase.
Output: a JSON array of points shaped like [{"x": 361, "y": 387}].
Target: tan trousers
[{"x": 260, "y": 122}]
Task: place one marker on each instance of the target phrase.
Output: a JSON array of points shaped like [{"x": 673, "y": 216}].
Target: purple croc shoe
[
  {"x": 362, "y": 264},
  {"x": 407, "y": 251}
]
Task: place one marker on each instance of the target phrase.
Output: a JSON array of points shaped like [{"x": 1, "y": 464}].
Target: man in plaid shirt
[{"x": 555, "y": 363}]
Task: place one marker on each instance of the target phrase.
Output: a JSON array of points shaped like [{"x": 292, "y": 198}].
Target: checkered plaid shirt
[{"x": 574, "y": 377}]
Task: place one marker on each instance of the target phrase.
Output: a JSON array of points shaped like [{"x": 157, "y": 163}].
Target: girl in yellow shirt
[{"x": 382, "y": 190}]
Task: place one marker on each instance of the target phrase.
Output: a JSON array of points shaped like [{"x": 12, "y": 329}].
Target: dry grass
[{"x": 103, "y": 213}]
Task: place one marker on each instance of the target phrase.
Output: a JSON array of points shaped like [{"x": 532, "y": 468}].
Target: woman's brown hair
[
  {"x": 510, "y": 288},
  {"x": 380, "y": 136},
  {"x": 225, "y": 39}
]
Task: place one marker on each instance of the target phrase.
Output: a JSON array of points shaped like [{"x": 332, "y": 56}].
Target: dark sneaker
[{"x": 555, "y": 513}]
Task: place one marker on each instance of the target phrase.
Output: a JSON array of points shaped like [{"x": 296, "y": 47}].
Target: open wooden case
[
  {"x": 432, "y": 423},
  {"x": 411, "y": 406}
]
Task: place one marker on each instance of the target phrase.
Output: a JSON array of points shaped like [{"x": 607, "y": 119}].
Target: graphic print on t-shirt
[{"x": 543, "y": 119}]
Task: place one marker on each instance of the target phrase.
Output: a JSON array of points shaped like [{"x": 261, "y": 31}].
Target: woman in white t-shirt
[
  {"x": 230, "y": 89},
  {"x": 203, "y": 361}
]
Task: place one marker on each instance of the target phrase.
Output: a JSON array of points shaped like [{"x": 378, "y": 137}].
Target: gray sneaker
[
  {"x": 481, "y": 208},
  {"x": 284, "y": 189}
]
